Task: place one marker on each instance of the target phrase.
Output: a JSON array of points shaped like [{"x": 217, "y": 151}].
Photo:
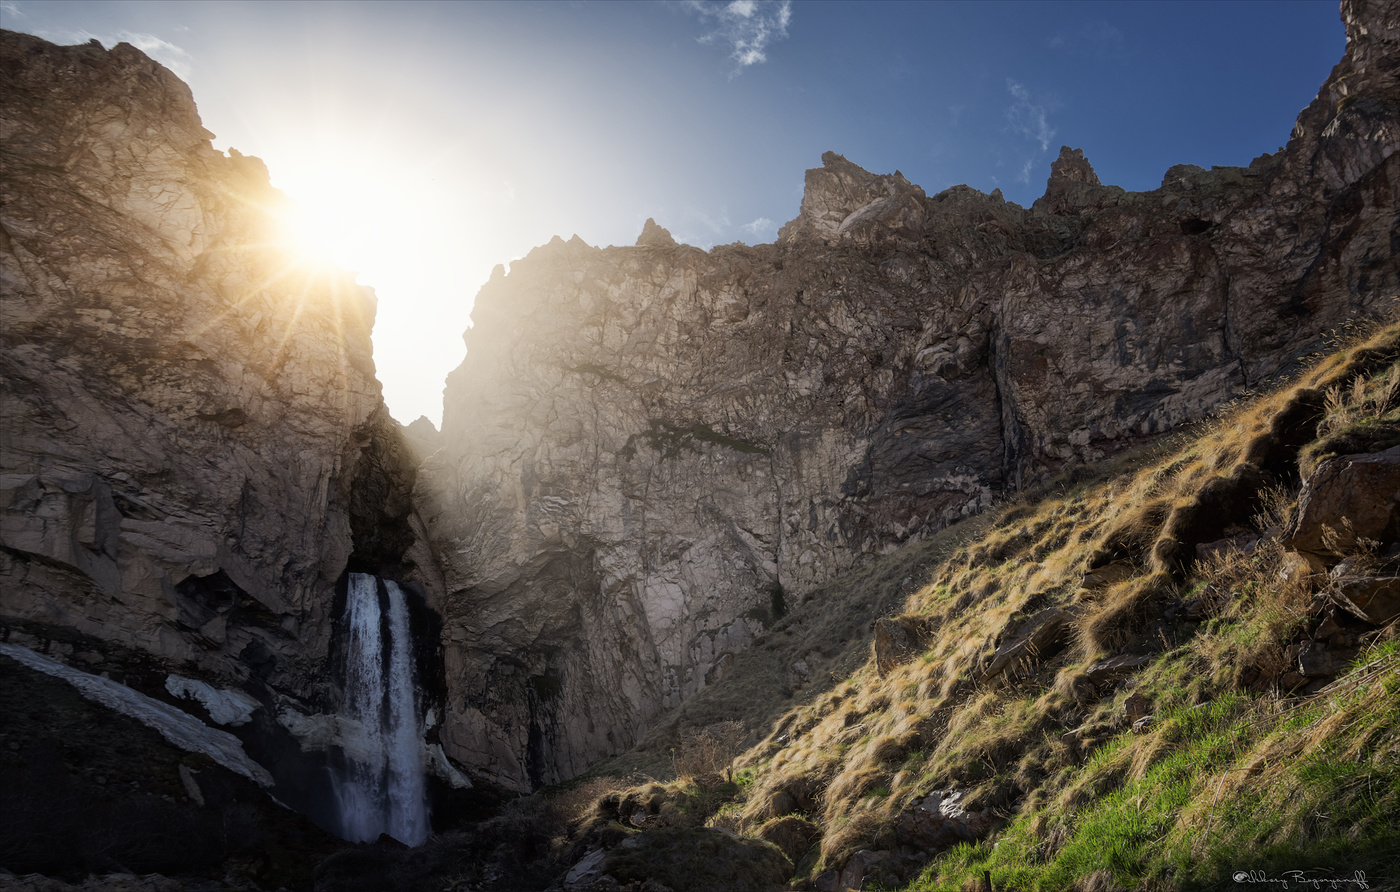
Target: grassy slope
[{"x": 1236, "y": 773}]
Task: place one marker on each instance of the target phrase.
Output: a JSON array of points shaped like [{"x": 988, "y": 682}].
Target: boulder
[
  {"x": 1347, "y": 498},
  {"x": 1108, "y": 574},
  {"x": 852, "y": 874},
  {"x": 1031, "y": 639},
  {"x": 1136, "y": 707},
  {"x": 586, "y": 871},
  {"x": 794, "y": 835},
  {"x": 1301, "y": 568},
  {"x": 699, "y": 859},
  {"x": 1315, "y": 661},
  {"x": 1328, "y": 627},
  {"x": 1114, "y": 668},
  {"x": 1242, "y": 542},
  {"x": 939, "y": 820},
  {"x": 1375, "y": 599},
  {"x": 894, "y": 644},
  {"x": 781, "y": 802}
]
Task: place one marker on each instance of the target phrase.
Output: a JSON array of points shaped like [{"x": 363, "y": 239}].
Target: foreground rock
[
  {"x": 931, "y": 824},
  {"x": 1345, "y": 502},
  {"x": 87, "y": 790},
  {"x": 939, "y": 821},
  {"x": 649, "y": 448},
  {"x": 698, "y": 859},
  {"x": 1029, "y": 640}
]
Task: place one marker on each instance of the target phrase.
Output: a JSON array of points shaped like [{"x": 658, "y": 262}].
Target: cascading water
[
  {"x": 408, "y": 808},
  {"x": 381, "y": 789}
]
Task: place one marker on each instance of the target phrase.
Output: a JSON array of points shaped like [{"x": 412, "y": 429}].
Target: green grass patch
[{"x": 1234, "y": 785}]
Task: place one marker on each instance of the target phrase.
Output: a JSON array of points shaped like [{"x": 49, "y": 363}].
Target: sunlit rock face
[
  {"x": 194, "y": 443},
  {"x": 645, "y": 442}
]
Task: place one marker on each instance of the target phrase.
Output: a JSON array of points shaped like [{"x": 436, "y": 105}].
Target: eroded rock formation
[{"x": 649, "y": 448}]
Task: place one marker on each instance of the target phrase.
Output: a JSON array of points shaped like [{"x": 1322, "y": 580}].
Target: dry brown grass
[
  {"x": 708, "y": 751},
  {"x": 1362, "y": 416},
  {"x": 1252, "y": 587}
]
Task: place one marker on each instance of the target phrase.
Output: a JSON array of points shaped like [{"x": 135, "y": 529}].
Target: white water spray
[{"x": 382, "y": 790}]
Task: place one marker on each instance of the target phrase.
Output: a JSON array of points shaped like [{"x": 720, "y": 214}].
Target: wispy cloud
[
  {"x": 717, "y": 225},
  {"x": 11, "y": 10},
  {"x": 700, "y": 229},
  {"x": 745, "y": 27},
  {"x": 759, "y": 228},
  {"x": 1028, "y": 118},
  {"x": 176, "y": 58},
  {"x": 163, "y": 51}
]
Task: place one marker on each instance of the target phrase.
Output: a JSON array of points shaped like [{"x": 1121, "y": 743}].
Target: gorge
[{"x": 650, "y": 455}]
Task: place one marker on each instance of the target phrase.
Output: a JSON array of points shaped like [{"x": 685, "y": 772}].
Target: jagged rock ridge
[{"x": 649, "y": 449}]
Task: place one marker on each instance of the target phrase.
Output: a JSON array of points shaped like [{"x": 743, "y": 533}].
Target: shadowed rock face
[
  {"x": 649, "y": 447},
  {"x": 194, "y": 444}
]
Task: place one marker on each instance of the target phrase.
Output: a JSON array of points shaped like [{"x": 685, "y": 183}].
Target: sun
[
  {"x": 324, "y": 224},
  {"x": 389, "y": 219}
]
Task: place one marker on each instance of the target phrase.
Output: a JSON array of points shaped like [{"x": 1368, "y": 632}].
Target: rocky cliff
[
  {"x": 195, "y": 449},
  {"x": 649, "y": 451}
]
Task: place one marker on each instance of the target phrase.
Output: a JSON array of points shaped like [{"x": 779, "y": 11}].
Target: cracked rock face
[
  {"x": 649, "y": 448},
  {"x": 190, "y": 424}
]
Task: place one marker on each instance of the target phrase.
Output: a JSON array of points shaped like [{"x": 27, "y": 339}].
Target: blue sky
[{"x": 431, "y": 141}]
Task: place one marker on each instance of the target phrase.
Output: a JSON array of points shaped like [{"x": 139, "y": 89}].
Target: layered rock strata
[
  {"x": 649, "y": 450},
  {"x": 195, "y": 449}
]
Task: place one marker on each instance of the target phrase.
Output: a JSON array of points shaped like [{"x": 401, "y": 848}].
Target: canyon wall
[
  {"x": 195, "y": 449},
  {"x": 650, "y": 450}
]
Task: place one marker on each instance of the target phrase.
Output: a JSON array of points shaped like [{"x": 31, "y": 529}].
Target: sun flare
[
  {"x": 382, "y": 215},
  {"x": 324, "y": 225}
]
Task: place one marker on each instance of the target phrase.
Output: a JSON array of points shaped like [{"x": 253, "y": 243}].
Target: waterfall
[
  {"x": 408, "y": 812},
  {"x": 381, "y": 789}
]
